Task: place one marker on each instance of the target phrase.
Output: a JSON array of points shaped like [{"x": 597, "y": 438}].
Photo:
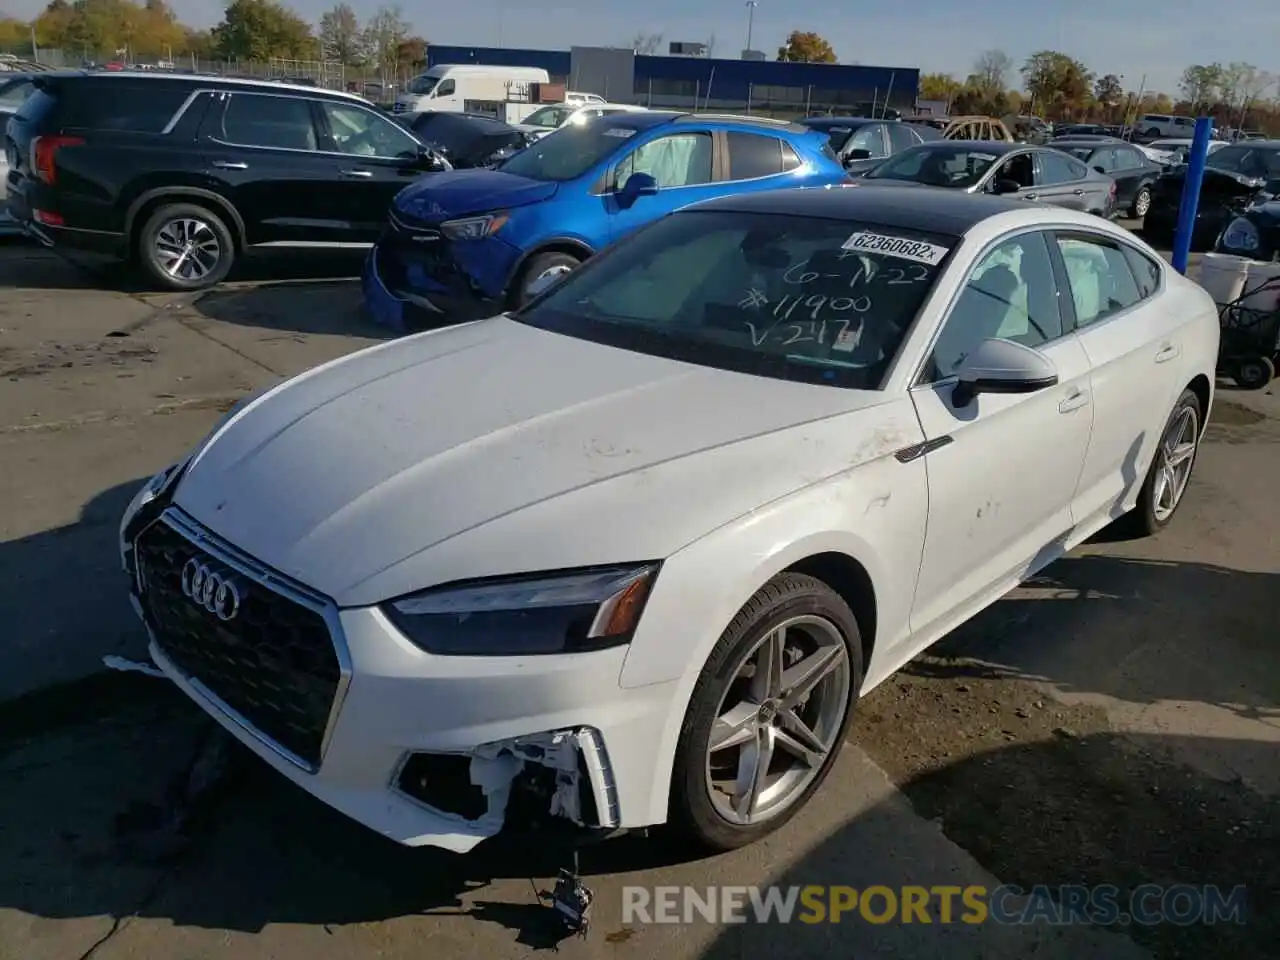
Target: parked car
[
  {"x": 862, "y": 142},
  {"x": 1152, "y": 126},
  {"x": 1175, "y": 150},
  {"x": 470, "y": 243},
  {"x": 1233, "y": 175},
  {"x": 1131, "y": 169},
  {"x": 1254, "y": 230},
  {"x": 466, "y": 139},
  {"x": 1008, "y": 169},
  {"x": 632, "y": 554},
  {"x": 14, "y": 89},
  {"x": 1083, "y": 129},
  {"x": 184, "y": 173},
  {"x": 553, "y": 116}
]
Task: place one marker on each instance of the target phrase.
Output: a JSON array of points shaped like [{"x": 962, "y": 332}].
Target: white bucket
[
  {"x": 1263, "y": 300},
  {"x": 1224, "y": 276}
]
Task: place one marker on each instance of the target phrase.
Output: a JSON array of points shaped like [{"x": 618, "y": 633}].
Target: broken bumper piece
[{"x": 449, "y": 751}]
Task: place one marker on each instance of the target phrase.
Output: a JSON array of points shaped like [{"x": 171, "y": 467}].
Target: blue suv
[{"x": 465, "y": 244}]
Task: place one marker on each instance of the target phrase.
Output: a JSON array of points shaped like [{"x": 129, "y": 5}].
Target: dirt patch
[
  {"x": 1228, "y": 414},
  {"x": 1043, "y": 793},
  {"x": 65, "y": 356}
]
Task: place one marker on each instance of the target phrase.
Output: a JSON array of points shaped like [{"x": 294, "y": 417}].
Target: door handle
[
  {"x": 1031, "y": 196},
  {"x": 1078, "y": 192},
  {"x": 1074, "y": 401},
  {"x": 230, "y": 165},
  {"x": 1167, "y": 352},
  {"x": 356, "y": 173}
]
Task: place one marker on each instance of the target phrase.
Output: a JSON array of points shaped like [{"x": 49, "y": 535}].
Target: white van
[
  {"x": 1163, "y": 125},
  {"x": 467, "y": 88}
]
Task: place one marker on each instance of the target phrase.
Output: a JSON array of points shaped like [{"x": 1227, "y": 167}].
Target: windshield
[
  {"x": 549, "y": 117},
  {"x": 793, "y": 298},
  {"x": 569, "y": 152},
  {"x": 950, "y": 165},
  {"x": 1248, "y": 161},
  {"x": 422, "y": 85}
]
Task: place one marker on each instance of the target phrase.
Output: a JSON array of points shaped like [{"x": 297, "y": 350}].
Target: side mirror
[
  {"x": 1098, "y": 168},
  {"x": 1004, "y": 185},
  {"x": 432, "y": 159},
  {"x": 1002, "y": 366},
  {"x": 638, "y": 185},
  {"x": 858, "y": 154}
]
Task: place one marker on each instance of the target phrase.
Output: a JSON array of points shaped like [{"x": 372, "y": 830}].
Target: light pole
[{"x": 751, "y": 19}]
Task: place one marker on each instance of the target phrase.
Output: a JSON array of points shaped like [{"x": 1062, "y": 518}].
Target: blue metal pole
[{"x": 1191, "y": 194}]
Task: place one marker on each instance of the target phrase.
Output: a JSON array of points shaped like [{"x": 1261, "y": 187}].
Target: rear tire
[
  {"x": 1167, "y": 479},
  {"x": 1253, "y": 373},
  {"x": 1141, "y": 203},
  {"x": 184, "y": 246},
  {"x": 807, "y": 623}
]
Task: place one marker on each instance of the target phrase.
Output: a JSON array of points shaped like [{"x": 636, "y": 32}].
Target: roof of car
[
  {"x": 1087, "y": 142},
  {"x": 831, "y": 123},
  {"x": 155, "y": 76},
  {"x": 907, "y": 207},
  {"x": 997, "y": 147}
]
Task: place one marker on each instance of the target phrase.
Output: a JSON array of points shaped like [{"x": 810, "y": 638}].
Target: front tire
[
  {"x": 768, "y": 715},
  {"x": 183, "y": 246},
  {"x": 1170, "y": 470},
  {"x": 541, "y": 268},
  {"x": 1141, "y": 203}
]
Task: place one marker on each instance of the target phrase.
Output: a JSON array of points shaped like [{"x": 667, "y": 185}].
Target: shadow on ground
[
  {"x": 61, "y": 586},
  {"x": 1096, "y": 810},
  {"x": 293, "y": 309}
]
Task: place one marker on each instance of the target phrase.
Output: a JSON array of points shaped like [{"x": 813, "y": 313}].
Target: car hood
[
  {"x": 497, "y": 448},
  {"x": 456, "y": 193}
]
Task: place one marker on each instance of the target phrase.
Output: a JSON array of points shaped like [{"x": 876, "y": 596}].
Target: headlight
[
  {"x": 557, "y": 613},
  {"x": 1240, "y": 234},
  {"x": 474, "y": 228}
]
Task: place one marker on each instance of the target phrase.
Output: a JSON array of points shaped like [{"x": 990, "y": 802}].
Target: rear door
[
  {"x": 684, "y": 165},
  {"x": 377, "y": 158},
  {"x": 1061, "y": 180},
  {"x": 1131, "y": 170},
  {"x": 263, "y": 149},
  {"x": 1132, "y": 345}
]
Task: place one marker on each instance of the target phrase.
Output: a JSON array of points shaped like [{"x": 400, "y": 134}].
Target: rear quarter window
[{"x": 120, "y": 107}]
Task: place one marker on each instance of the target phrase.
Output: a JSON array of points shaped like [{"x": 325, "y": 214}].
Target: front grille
[
  {"x": 408, "y": 243},
  {"x": 273, "y": 663}
]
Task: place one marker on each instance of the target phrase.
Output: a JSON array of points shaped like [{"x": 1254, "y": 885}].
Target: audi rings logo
[{"x": 207, "y": 588}]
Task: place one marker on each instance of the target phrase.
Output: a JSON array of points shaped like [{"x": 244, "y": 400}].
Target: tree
[
  {"x": 1059, "y": 85},
  {"x": 805, "y": 46},
  {"x": 646, "y": 44},
  {"x": 939, "y": 86},
  {"x": 411, "y": 54},
  {"x": 991, "y": 72},
  {"x": 1108, "y": 94},
  {"x": 340, "y": 37},
  {"x": 260, "y": 30},
  {"x": 383, "y": 34},
  {"x": 1200, "y": 83},
  {"x": 14, "y": 35}
]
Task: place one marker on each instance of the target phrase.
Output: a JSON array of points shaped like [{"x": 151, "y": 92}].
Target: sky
[{"x": 1126, "y": 37}]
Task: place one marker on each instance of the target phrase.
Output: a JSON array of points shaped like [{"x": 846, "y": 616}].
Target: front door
[
  {"x": 1134, "y": 349},
  {"x": 376, "y": 160},
  {"x": 1003, "y": 470},
  {"x": 683, "y": 166},
  {"x": 1060, "y": 180},
  {"x": 263, "y": 152}
]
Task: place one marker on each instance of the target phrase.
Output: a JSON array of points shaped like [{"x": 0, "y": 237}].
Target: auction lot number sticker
[{"x": 915, "y": 250}]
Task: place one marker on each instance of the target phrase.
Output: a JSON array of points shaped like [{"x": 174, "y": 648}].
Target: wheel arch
[
  {"x": 1203, "y": 390},
  {"x": 570, "y": 245},
  {"x": 151, "y": 200}
]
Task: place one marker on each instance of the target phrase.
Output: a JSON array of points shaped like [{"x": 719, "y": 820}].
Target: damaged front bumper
[{"x": 433, "y": 750}]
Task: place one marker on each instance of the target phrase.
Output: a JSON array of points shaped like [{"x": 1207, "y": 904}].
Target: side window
[
  {"x": 1146, "y": 272},
  {"x": 1102, "y": 282},
  {"x": 261, "y": 120},
  {"x": 680, "y": 160},
  {"x": 753, "y": 155},
  {"x": 1105, "y": 159},
  {"x": 1128, "y": 159},
  {"x": 1019, "y": 169},
  {"x": 1010, "y": 294},
  {"x": 446, "y": 88},
  {"x": 363, "y": 133},
  {"x": 1059, "y": 168},
  {"x": 16, "y": 95},
  {"x": 790, "y": 159},
  {"x": 901, "y": 137},
  {"x": 123, "y": 106},
  {"x": 869, "y": 137}
]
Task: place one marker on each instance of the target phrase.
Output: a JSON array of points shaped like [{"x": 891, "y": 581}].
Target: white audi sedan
[{"x": 631, "y": 554}]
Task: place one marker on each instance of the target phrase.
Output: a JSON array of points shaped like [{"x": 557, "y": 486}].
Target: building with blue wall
[{"x": 682, "y": 82}]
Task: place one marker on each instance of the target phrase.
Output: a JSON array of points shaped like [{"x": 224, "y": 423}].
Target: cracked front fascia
[{"x": 495, "y": 766}]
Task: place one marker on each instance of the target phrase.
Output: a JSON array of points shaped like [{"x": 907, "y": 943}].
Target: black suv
[{"x": 183, "y": 172}]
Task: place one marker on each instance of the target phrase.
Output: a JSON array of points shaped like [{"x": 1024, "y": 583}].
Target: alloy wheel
[
  {"x": 779, "y": 720},
  {"x": 1175, "y": 457},
  {"x": 1142, "y": 204},
  {"x": 187, "y": 249}
]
